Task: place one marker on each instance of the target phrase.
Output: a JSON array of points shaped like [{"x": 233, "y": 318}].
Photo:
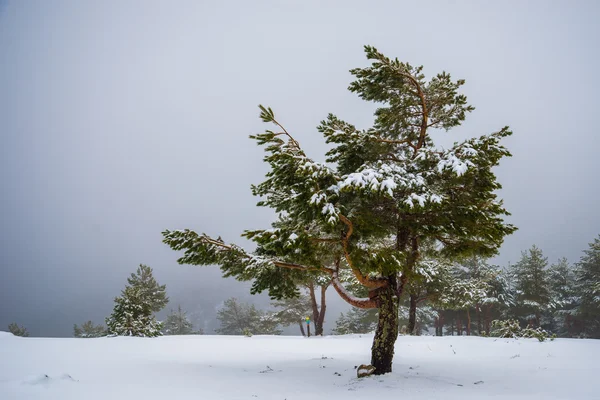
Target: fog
[{"x": 120, "y": 119}]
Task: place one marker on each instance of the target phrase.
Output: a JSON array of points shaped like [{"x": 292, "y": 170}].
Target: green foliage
[
  {"x": 132, "y": 315},
  {"x": 377, "y": 198},
  {"x": 292, "y": 311},
  {"x": 144, "y": 281},
  {"x": 356, "y": 321},
  {"x": 512, "y": 329},
  {"x": 506, "y": 329},
  {"x": 563, "y": 298},
  {"x": 532, "y": 286},
  {"x": 177, "y": 323},
  {"x": 18, "y": 330},
  {"x": 587, "y": 277},
  {"x": 238, "y": 319},
  {"x": 88, "y": 330},
  {"x": 390, "y": 179}
]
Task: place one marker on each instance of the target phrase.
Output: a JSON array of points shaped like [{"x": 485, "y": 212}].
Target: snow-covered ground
[{"x": 285, "y": 367}]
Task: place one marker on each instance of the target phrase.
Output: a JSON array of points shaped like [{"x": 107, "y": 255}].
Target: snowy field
[{"x": 284, "y": 367}]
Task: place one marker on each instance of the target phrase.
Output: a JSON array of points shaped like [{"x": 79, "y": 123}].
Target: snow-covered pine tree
[
  {"x": 237, "y": 318},
  {"x": 177, "y": 323},
  {"x": 532, "y": 287},
  {"x": 356, "y": 320},
  {"x": 293, "y": 311},
  {"x": 155, "y": 294},
  {"x": 132, "y": 315},
  {"x": 498, "y": 300},
  {"x": 18, "y": 330},
  {"x": 430, "y": 277},
  {"x": 381, "y": 193},
  {"x": 588, "y": 289},
  {"x": 88, "y": 330},
  {"x": 564, "y": 299},
  {"x": 463, "y": 293}
]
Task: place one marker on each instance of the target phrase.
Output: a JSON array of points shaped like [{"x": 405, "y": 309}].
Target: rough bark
[
  {"x": 382, "y": 351},
  {"x": 412, "y": 315}
]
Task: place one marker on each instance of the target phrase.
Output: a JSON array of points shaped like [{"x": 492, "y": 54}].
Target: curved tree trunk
[
  {"x": 382, "y": 351},
  {"x": 301, "y": 324}
]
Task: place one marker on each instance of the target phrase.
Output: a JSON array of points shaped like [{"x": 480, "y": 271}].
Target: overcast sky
[{"x": 120, "y": 119}]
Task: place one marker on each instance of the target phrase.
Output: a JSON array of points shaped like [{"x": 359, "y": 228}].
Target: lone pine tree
[
  {"x": 155, "y": 294},
  {"x": 382, "y": 194},
  {"x": 132, "y": 315}
]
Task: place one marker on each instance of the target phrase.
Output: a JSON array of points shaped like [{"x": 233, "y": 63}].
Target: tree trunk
[
  {"x": 439, "y": 330},
  {"x": 459, "y": 327},
  {"x": 319, "y": 321},
  {"x": 488, "y": 319},
  {"x": 479, "y": 325},
  {"x": 301, "y": 325},
  {"x": 313, "y": 303},
  {"x": 412, "y": 315},
  {"x": 468, "y": 322},
  {"x": 382, "y": 351}
]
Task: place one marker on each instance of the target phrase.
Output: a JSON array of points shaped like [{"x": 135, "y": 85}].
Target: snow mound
[{"x": 6, "y": 335}]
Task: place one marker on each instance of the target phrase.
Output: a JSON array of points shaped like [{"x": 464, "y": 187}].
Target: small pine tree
[
  {"x": 177, "y": 323},
  {"x": 356, "y": 320},
  {"x": 88, "y": 330},
  {"x": 240, "y": 319},
  {"x": 18, "y": 330},
  {"x": 132, "y": 316},
  {"x": 149, "y": 289}
]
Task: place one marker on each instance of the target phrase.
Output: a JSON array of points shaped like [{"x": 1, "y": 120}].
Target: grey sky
[{"x": 120, "y": 119}]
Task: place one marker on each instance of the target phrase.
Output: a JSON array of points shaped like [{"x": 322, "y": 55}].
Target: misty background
[{"x": 120, "y": 119}]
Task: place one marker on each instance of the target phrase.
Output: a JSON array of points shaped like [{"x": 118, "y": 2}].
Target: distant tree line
[{"x": 465, "y": 298}]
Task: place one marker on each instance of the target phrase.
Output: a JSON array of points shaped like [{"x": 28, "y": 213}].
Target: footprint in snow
[{"x": 45, "y": 379}]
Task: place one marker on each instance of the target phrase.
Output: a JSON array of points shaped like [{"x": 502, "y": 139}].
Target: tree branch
[
  {"x": 280, "y": 264},
  {"x": 370, "y": 283},
  {"x": 347, "y": 297}
]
